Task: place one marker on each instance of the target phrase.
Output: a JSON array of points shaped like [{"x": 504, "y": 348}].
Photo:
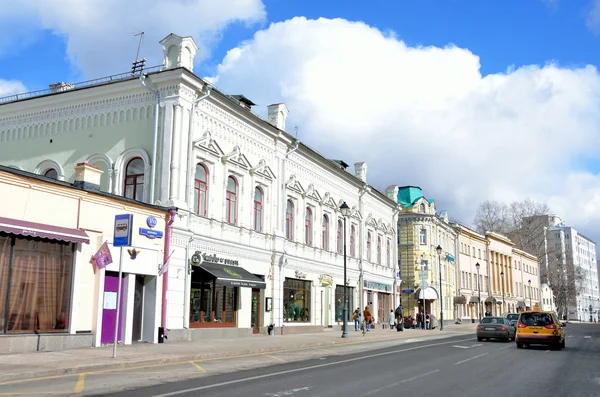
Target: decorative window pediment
[
  {"x": 296, "y": 186},
  {"x": 266, "y": 173},
  {"x": 211, "y": 147}
]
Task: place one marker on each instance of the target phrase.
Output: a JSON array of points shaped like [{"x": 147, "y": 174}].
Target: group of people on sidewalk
[{"x": 394, "y": 318}]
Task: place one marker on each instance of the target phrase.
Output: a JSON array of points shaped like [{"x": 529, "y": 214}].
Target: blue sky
[{"x": 511, "y": 112}]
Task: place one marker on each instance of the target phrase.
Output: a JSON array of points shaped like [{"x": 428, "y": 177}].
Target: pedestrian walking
[
  {"x": 356, "y": 317},
  {"x": 368, "y": 318},
  {"x": 392, "y": 319}
]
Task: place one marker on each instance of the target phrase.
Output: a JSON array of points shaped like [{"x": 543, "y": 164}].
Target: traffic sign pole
[{"x": 121, "y": 238}]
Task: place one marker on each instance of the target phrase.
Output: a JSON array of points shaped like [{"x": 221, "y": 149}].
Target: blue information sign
[
  {"x": 151, "y": 233},
  {"x": 123, "y": 225}
]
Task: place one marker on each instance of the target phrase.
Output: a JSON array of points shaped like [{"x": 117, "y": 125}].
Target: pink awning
[{"x": 40, "y": 230}]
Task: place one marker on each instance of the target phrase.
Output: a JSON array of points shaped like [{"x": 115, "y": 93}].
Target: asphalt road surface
[{"x": 458, "y": 366}]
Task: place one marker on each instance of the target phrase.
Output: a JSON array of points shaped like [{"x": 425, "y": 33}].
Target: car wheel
[
  {"x": 562, "y": 344},
  {"x": 519, "y": 345},
  {"x": 479, "y": 339}
]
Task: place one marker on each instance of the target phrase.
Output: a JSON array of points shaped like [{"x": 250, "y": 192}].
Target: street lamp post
[
  {"x": 502, "y": 278},
  {"x": 530, "y": 305},
  {"x": 439, "y": 252},
  {"x": 345, "y": 210},
  {"x": 478, "y": 291}
]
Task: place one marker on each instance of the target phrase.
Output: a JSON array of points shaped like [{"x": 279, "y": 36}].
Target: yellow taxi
[{"x": 537, "y": 327}]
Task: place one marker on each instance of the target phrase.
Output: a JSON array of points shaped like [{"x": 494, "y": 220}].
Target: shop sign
[
  {"x": 372, "y": 285},
  {"x": 325, "y": 280},
  {"x": 299, "y": 274},
  {"x": 200, "y": 257}
]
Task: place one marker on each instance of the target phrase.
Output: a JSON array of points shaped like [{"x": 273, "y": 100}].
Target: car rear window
[
  {"x": 536, "y": 319},
  {"x": 492, "y": 320}
]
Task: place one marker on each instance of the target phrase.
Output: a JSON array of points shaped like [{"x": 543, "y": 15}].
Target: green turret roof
[{"x": 407, "y": 195}]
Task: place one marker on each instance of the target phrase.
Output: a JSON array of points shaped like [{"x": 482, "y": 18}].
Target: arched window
[
  {"x": 352, "y": 240},
  {"x": 258, "y": 209},
  {"x": 325, "y": 236},
  {"x": 422, "y": 208},
  {"x": 200, "y": 190},
  {"x": 389, "y": 252},
  {"x": 340, "y": 237},
  {"x": 289, "y": 220},
  {"x": 308, "y": 227},
  {"x": 369, "y": 246},
  {"x": 134, "y": 179},
  {"x": 231, "y": 200},
  {"x": 51, "y": 173},
  {"x": 379, "y": 250}
]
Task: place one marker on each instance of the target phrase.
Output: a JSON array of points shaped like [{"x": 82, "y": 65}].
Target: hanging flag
[
  {"x": 164, "y": 267},
  {"x": 103, "y": 257}
]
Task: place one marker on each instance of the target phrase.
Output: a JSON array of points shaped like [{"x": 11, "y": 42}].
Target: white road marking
[
  {"x": 505, "y": 347},
  {"x": 546, "y": 351},
  {"x": 413, "y": 340},
  {"x": 288, "y": 392},
  {"x": 570, "y": 336},
  {"x": 587, "y": 337},
  {"x": 401, "y": 382},
  {"x": 472, "y": 358},
  {"x": 302, "y": 369},
  {"x": 479, "y": 344},
  {"x": 462, "y": 347}
]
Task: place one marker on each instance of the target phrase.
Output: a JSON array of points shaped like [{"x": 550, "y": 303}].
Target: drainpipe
[
  {"x": 167, "y": 253},
  {"x": 154, "y": 148},
  {"x": 361, "y": 233},
  {"x": 191, "y": 144},
  {"x": 282, "y": 213}
]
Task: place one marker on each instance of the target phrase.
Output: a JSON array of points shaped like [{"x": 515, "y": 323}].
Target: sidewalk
[{"x": 46, "y": 364}]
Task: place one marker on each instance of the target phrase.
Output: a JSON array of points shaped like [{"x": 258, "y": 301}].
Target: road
[{"x": 459, "y": 366}]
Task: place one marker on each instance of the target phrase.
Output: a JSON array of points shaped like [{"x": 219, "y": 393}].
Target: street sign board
[{"x": 122, "y": 233}]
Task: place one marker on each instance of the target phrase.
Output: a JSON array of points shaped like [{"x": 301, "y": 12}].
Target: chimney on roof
[
  {"x": 87, "y": 176},
  {"x": 277, "y": 115},
  {"x": 179, "y": 52},
  {"x": 392, "y": 192},
  {"x": 360, "y": 170}
]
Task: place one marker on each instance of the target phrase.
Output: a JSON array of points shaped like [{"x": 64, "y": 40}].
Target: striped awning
[{"x": 40, "y": 230}]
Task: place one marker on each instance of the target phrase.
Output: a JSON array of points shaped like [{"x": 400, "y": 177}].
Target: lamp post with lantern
[
  {"x": 477, "y": 265},
  {"x": 439, "y": 252},
  {"x": 345, "y": 210}
]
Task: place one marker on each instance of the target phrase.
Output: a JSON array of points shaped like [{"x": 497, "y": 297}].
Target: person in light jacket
[{"x": 392, "y": 319}]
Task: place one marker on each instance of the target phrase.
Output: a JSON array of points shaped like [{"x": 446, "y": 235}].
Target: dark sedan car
[{"x": 495, "y": 328}]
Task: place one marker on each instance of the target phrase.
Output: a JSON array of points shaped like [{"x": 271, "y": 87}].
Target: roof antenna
[{"x": 138, "y": 65}]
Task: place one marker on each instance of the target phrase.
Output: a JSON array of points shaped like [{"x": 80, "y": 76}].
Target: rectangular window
[
  {"x": 38, "y": 285},
  {"x": 423, "y": 237},
  {"x": 296, "y": 300}
]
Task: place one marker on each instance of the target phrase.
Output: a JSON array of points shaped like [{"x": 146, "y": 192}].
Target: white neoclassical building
[{"x": 259, "y": 236}]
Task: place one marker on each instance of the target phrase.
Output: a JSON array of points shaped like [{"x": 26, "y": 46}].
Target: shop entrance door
[
  {"x": 109, "y": 308},
  {"x": 137, "y": 308},
  {"x": 255, "y": 314},
  {"x": 326, "y": 306}
]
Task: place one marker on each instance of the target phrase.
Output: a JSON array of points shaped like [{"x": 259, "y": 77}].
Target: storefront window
[
  {"x": 38, "y": 285},
  {"x": 296, "y": 300},
  {"x": 339, "y": 302},
  {"x": 211, "y": 304}
]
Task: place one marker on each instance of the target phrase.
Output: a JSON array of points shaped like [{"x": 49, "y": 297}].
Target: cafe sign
[
  {"x": 325, "y": 280},
  {"x": 372, "y": 285},
  {"x": 200, "y": 257}
]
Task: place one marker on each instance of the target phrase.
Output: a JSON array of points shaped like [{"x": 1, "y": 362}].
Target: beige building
[
  {"x": 57, "y": 297},
  {"x": 472, "y": 274},
  {"x": 525, "y": 280}
]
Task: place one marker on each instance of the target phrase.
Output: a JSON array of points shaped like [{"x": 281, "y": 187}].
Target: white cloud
[
  {"x": 11, "y": 87},
  {"x": 426, "y": 116},
  {"x": 99, "y": 33},
  {"x": 593, "y": 16}
]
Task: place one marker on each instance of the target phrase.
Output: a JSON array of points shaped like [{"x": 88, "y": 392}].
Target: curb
[{"x": 95, "y": 368}]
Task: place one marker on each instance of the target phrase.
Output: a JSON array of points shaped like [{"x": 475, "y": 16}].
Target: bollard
[{"x": 271, "y": 329}]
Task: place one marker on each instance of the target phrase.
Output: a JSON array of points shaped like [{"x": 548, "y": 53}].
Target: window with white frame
[
  {"x": 353, "y": 240},
  {"x": 325, "y": 233},
  {"x": 389, "y": 252},
  {"x": 423, "y": 236},
  {"x": 340, "y": 236},
  {"x": 201, "y": 190},
  {"x": 308, "y": 230},
  {"x": 379, "y": 262},
  {"x": 258, "y": 209},
  {"x": 289, "y": 220},
  {"x": 369, "y": 246},
  {"x": 134, "y": 179},
  {"x": 231, "y": 200}
]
